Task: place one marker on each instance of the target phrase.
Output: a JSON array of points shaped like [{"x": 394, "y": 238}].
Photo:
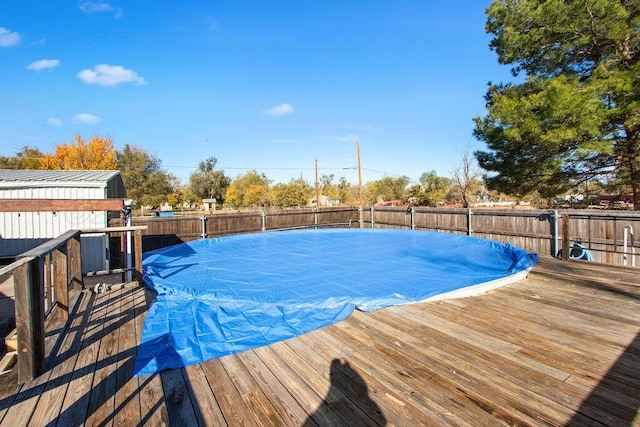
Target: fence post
[
  {"x": 565, "y": 237},
  {"x": 469, "y": 228},
  {"x": 29, "y": 297},
  {"x": 61, "y": 280}
]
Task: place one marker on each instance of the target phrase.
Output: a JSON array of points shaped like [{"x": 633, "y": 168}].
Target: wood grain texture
[{"x": 559, "y": 348}]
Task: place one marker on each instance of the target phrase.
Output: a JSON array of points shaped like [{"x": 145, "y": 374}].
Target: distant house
[
  {"x": 209, "y": 204},
  {"x": 324, "y": 201},
  {"x": 28, "y": 219}
]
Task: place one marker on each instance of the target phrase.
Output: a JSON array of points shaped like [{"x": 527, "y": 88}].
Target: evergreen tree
[{"x": 576, "y": 115}]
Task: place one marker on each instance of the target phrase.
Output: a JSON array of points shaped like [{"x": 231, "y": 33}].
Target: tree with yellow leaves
[{"x": 96, "y": 154}]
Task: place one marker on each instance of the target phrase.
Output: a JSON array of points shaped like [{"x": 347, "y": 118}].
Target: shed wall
[{"x": 22, "y": 231}]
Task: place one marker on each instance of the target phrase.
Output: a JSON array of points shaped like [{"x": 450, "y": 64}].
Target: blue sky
[{"x": 264, "y": 85}]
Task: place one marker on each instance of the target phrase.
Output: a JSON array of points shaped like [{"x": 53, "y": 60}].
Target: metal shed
[{"x": 23, "y": 227}]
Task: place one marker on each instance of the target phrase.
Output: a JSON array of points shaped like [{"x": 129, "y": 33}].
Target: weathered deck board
[
  {"x": 63, "y": 362},
  {"x": 559, "y": 348},
  {"x": 127, "y": 398}
]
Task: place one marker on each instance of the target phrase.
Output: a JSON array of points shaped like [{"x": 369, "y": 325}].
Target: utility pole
[
  {"x": 317, "y": 188},
  {"x": 359, "y": 171}
]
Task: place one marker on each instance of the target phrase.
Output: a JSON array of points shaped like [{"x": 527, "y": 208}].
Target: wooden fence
[
  {"x": 166, "y": 231},
  {"x": 601, "y": 232},
  {"x": 45, "y": 279}
]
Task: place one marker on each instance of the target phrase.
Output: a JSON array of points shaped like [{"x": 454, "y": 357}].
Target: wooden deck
[{"x": 559, "y": 348}]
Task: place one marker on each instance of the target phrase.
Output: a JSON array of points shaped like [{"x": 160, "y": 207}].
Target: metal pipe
[
  {"x": 411, "y": 211},
  {"x": 129, "y": 249},
  {"x": 372, "y": 216},
  {"x": 555, "y": 233},
  {"x": 628, "y": 238}
]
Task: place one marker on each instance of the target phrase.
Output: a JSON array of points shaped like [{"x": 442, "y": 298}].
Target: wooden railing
[{"x": 44, "y": 279}]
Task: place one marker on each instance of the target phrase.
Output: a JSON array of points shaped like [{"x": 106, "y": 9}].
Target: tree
[
  {"x": 207, "y": 183},
  {"x": 96, "y": 154},
  {"x": 432, "y": 191},
  {"x": 252, "y": 189},
  {"x": 294, "y": 194},
  {"x": 146, "y": 182},
  {"x": 343, "y": 191},
  {"x": 27, "y": 158},
  {"x": 466, "y": 179},
  {"x": 576, "y": 115},
  {"x": 387, "y": 188}
]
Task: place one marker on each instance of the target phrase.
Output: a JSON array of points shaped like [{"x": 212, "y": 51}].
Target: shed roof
[
  {"x": 94, "y": 176},
  {"x": 111, "y": 181}
]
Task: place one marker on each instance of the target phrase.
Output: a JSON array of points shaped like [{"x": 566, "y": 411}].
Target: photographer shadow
[{"x": 347, "y": 401}]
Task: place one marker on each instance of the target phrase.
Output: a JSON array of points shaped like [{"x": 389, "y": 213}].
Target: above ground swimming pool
[{"x": 229, "y": 294}]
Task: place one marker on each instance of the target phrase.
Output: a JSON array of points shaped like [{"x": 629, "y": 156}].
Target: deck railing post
[
  {"x": 137, "y": 240},
  {"x": 565, "y": 237},
  {"x": 61, "y": 280},
  {"x": 29, "y": 297},
  {"x": 75, "y": 262}
]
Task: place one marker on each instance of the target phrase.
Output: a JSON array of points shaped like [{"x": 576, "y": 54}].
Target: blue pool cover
[{"x": 224, "y": 295}]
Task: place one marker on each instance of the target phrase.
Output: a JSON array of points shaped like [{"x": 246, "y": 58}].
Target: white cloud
[
  {"x": 91, "y": 7},
  {"x": 52, "y": 121},
  {"x": 86, "y": 119},
  {"x": 8, "y": 38},
  {"x": 281, "y": 110},
  {"x": 43, "y": 64},
  {"x": 95, "y": 7},
  {"x": 110, "y": 75}
]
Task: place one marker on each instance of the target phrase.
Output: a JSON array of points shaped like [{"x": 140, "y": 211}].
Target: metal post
[
  {"x": 372, "y": 216},
  {"x": 263, "y": 213},
  {"x": 469, "y": 228},
  {"x": 556, "y": 247},
  {"x": 360, "y": 216},
  {"x": 129, "y": 251},
  {"x": 204, "y": 226},
  {"x": 629, "y": 242},
  {"x": 315, "y": 216},
  {"x": 411, "y": 211}
]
